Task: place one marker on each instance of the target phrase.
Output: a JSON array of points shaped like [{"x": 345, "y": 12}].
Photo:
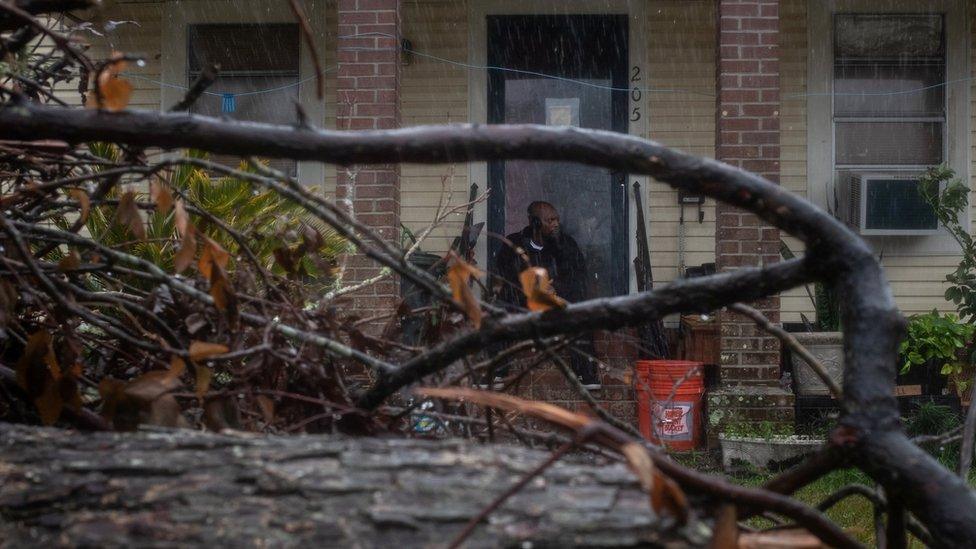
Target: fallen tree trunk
[{"x": 178, "y": 487}]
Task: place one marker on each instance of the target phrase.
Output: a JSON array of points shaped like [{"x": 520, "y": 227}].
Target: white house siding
[
  {"x": 680, "y": 55},
  {"x": 434, "y": 92},
  {"x": 916, "y": 280},
  {"x": 680, "y": 51}
]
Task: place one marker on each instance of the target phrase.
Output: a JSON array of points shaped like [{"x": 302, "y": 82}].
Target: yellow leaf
[
  {"x": 539, "y": 294},
  {"x": 128, "y": 215},
  {"x": 202, "y": 350},
  {"x": 459, "y": 275}
]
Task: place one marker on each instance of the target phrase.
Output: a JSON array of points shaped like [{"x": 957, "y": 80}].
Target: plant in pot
[
  {"x": 765, "y": 446},
  {"x": 823, "y": 338},
  {"x": 936, "y": 349},
  {"x": 949, "y": 198}
]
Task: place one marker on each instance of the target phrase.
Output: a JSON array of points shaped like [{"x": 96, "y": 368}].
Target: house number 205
[{"x": 635, "y": 94}]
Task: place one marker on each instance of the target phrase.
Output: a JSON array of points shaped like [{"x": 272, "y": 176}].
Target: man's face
[{"x": 550, "y": 221}]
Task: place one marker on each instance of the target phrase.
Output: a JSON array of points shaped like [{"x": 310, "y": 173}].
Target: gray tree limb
[{"x": 184, "y": 487}]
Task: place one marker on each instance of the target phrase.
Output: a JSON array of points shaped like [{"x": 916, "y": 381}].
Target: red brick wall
[
  {"x": 368, "y": 97},
  {"x": 748, "y": 137}
]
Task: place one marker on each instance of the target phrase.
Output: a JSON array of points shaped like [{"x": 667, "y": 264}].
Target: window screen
[
  {"x": 896, "y": 204},
  {"x": 889, "y": 92},
  {"x": 259, "y": 69}
]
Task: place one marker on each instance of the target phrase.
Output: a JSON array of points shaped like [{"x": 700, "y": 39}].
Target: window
[
  {"x": 889, "y": 97},
  {"x": 258, "y": 78}
]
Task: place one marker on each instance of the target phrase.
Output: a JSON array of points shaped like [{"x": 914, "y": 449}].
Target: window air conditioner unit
[{"x": 888, "y": 205}]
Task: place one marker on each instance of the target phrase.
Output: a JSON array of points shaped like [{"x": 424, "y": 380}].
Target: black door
[{"x": 562, "y": 70}]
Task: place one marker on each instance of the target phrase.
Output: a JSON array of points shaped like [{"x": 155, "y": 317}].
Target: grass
[{"x": 854, "y": 514}]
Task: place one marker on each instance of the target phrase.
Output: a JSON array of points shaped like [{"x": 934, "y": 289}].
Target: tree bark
[{"x": 178, "y": 487}]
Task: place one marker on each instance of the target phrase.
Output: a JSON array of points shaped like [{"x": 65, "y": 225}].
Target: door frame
[
  {"x": 478, "y": 13},
  {"x": 619, "y": 115}
]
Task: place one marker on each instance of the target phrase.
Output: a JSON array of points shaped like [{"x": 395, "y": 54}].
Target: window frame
[
  {"x": 821, "y": 124},
  {"x": 887, "y": 119},
  {"x": 177, "y": 17}
]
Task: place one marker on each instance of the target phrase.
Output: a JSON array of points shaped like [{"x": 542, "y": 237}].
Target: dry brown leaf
[
  {"x": 188, "y": 250},
  {"x": 641, "y": 464},
  {"x": 161, "y": 195},
  {"x": 267, "y": 407},
  {"x": 204, "y": 375},
  {"x": 165, "y": 411},
  {"x": 70, "y": 262},
  {"x": 219, "y": 289},
  {"x": 780, "y": 539},
  {"x": 111, "y": 391},
  {"x": 151, "y": 385},
  {"x": 49, "y": 404},
  {"x": 68, "y": 388},
  {"x": 541, "y": 410},
  {"x": 202, "y": 350},
  {"x": 537, "y": 287},
  {"x": 114, "y": 91},
  {"x": 181, "y": 219},
  {"x": 459, "y": 275},
  {"x": 84, "y": 203},
  {"x": 212, "y": 252},
  {"x": 127, "y": 215},
  {"x": 221, "y": 413},
  {"x": 668, "y": 497},
  {"x": 176, "y": 366},
  {"x": 725, "y": 534},
  {"x": 38, "y": 345},
  {"x": 38, "y": 374}
]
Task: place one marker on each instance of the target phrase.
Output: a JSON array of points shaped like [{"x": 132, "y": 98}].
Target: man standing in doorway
[{"x": 546, "y": 246}]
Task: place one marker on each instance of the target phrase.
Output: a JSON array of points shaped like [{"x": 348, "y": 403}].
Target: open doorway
[{"x": 562, "y": 70}]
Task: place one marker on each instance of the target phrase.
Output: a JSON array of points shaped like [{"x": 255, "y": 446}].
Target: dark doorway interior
[{"x": 588, "y": 56}]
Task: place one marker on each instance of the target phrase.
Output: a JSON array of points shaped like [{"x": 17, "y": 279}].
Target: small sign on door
[{"x": 562, "y": 111}]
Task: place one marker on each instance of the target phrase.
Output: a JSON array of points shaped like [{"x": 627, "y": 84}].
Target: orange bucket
[{"x": 669, "y": 402}]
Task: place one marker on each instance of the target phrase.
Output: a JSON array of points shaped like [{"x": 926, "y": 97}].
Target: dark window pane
[
  {"x": 247, "y": 48},
  {"x": 889, "y": 89},
  {"x": 896, "y": 204},
  {"x": 889, "y": 143},
  {"x": 888, "y": 36}
]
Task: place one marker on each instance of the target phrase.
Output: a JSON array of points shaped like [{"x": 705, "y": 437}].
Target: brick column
[
  {"x": 368, "y": 98},
  {"x": 747, "y": 136}
]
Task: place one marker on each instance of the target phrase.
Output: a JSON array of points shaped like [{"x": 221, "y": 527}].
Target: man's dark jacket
[{"x": 561, "y": 257}]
